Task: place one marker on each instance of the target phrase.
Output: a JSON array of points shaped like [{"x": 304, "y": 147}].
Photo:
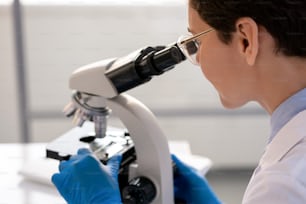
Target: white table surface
[{"x": 14, "y": 188}]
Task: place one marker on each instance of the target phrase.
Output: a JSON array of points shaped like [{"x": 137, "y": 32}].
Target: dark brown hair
[{"x": 285, "y": 20}]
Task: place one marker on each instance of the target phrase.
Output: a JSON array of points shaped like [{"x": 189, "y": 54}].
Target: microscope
[{"x": 146, "y": 170}]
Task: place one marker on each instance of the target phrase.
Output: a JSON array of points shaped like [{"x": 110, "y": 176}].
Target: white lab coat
[{"x": 281, "y": 174}]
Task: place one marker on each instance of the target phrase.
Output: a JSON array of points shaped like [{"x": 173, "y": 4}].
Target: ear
[{"x": 247, "y": 30}]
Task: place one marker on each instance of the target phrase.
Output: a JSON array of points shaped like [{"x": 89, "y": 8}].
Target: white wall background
[
  {"x": 9, "y": 126},
  {"x": 60, "y": 38}
]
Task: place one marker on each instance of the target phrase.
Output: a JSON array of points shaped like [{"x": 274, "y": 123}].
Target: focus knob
[{"x": 140, "y": 190}]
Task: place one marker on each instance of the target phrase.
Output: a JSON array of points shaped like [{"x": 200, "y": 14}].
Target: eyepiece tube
[
  {"x": 128, "y": 73},
  {"x": 159, "y": 61},
  {"x": 167, "y": 58}
]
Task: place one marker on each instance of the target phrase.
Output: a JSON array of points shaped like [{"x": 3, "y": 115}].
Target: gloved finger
[
  {"x": 181, "y": 183},
  {"x": 114, "y": 165},
  {"x": 80, "y": 154},
  {"x": 60, "y": 181},
  {"x": 182, "y": 167},
  {"x": 181, "y": 190},
  {"x": 87, "y": 164},
  {"x": 188, "y": 175},
  {"x": 66, "y": 163},
  {"x": 84, "y": 151},
  {"x": 63, "y": 165},
  {"x": 56, "y": 180}
]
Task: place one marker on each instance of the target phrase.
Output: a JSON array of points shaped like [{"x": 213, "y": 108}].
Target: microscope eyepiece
[
  {"x": 139, "y": 67},
  {"x": 167, "y": 58}
]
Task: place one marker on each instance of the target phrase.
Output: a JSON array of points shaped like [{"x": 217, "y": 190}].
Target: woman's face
[{"x": 222, "y": 64}]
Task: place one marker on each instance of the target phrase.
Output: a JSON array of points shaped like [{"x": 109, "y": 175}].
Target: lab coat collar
[{"x": 291, "y": 134}]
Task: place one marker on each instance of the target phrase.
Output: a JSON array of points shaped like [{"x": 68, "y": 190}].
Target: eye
[
  {"x": 197, "y": 42},
  {"x": 191, "y": 47}
]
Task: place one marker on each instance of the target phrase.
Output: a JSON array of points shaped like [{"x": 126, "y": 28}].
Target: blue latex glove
[
  {"x": 85, "y": 180},
  {"x": 190, "y": 186}
]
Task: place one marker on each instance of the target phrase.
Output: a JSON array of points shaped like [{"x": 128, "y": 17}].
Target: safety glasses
[{"x": 189, "y": 45}]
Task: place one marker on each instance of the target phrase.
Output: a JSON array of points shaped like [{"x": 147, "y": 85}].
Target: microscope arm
[
  {"x": 106, "y": 80},
  {"x": 153, "y": 156},
  {"x": 91, "y": 79}
]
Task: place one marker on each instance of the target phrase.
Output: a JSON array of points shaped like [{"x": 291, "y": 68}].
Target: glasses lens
[{"x": 189, "y": 48}]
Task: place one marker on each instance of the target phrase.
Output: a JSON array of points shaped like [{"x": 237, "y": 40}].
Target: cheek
[
  {"x": 220, "y": 66},
  {"x": 218, "y": 60},
  {"x": 215, "y": 63}
]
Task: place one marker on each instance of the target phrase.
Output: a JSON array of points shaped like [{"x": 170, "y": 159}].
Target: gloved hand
[
  {"x": 84, "y": 180},
  {"x": 190, "y": 186}
]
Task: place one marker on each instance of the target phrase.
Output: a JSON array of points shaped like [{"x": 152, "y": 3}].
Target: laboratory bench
[{"x": 25, "y": 173}]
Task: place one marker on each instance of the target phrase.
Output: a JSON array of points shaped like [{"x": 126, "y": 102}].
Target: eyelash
[{"x": 198, "y": 42}]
